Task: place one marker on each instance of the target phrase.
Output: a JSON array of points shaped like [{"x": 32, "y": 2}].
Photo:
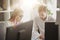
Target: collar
[{"x": 42, "y": 20}]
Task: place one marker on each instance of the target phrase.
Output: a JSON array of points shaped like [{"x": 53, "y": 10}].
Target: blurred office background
[{"x": 8, "y": 6}]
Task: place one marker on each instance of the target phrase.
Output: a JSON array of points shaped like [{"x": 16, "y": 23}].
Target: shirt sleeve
[
  {"x": 35, "y": 33},
  {"x": 51, "y": 19}
]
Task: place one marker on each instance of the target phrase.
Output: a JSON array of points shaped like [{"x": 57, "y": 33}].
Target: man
[{"x": 38, "y": 31}]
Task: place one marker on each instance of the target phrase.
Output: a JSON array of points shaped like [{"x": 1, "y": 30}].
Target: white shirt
[
  {"x": 9, "y": 24},
  {"x": 39, "y": 24}
]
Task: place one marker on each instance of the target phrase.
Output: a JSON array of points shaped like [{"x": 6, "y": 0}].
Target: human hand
[{"x": 41, "y": 37}]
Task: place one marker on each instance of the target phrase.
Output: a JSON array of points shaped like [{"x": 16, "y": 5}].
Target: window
[
  {"x": 7, "y": 7},
  {"x": 3, "y": 9}
]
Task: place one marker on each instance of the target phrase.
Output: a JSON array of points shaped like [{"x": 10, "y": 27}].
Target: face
[
  {"x": 42, "y": 12},
  {"x": 18, "y": 18}
]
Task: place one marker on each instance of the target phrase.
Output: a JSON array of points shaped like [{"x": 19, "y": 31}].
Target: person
[
  {"x": 38, "y": 30},
  {"x": 15, "y": 18}
]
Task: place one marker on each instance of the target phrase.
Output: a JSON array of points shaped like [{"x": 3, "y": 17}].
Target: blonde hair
[
  {"x": 16, "y": 12},
  {"x": 42, "y": 8}
]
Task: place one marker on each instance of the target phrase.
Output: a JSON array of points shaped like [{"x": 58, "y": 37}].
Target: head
[
  {"x": 42, "y": 12},
  {"x": 16, "y": 15}
]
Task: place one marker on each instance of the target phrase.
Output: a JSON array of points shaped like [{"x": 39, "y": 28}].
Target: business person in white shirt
[
  {"x": 16, "y": 18},
  {"x": 38, "y": 30}
]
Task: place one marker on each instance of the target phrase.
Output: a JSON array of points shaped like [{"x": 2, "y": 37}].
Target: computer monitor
[
  {"x": 51, "y": 31},
  {"x": 18, "y": 34}
]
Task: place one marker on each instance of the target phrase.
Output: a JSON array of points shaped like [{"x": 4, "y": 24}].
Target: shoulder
[
  {"x": 36, "y": 18},
  {"x": 51, "y": 19},
  {"x": 8, "y": 24}
]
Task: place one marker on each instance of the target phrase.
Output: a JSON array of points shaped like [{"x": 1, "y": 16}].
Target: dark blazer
[{"x": 21, "y": 32}]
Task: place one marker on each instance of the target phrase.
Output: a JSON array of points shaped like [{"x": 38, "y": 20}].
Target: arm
[{"x": 35, "y": 33}]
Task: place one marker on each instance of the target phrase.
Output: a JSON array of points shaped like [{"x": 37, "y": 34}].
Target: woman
[
  {"x": 38, "y": 31},
  {"x": 15, "y": 18}
]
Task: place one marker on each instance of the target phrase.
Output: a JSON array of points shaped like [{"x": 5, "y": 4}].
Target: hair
[
  {"x": 42, "y": 8},
  {"x": 16, "y": 12}
]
